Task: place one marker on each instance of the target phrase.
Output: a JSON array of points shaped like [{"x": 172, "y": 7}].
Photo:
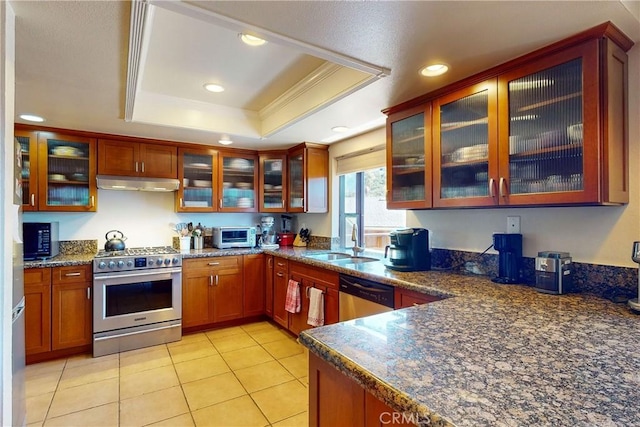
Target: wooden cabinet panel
[
  {"x": 227, "y": 296},
  {"x": 254, "y": 284},
  {"x": 268, "y": 285},
  {"x": 37, "y": 293},
  {"x": 28, "y": 141},
  {"x": 238, "y": 182},
  {"x": 198, "y": 176},
  {"x": 273, "y": 182},
  {"x": 196, "y": 307},
  {"x": 71, "y": 315},
  {"x": 407, "y": 298},
  {"x": 280, "y": 282},
  {"x": 308, "y": 178},
  {"x": 72, "y": 274},
  {"x": 125, "y": 158}
]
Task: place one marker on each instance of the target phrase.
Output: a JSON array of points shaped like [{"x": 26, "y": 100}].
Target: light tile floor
[{"x": 250, "y": 375}]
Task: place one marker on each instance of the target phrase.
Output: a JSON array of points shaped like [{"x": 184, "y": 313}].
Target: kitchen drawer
[
  {"x": 221, "y": 265},
  {"x": 313, "y": 274},
  {"x": 280, "y": 264},
  {"x": 37, "y": 276},
  {"x": 72, "y": 274}
]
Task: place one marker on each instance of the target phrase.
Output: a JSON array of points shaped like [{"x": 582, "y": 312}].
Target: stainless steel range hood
[{"x": 131, "y": 183}]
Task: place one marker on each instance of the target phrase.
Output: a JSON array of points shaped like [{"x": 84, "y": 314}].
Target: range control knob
[
  {"x": 167, "y": 261},
  {"x": 112, "y": 264},
  {"x": 130, "y": 263},
  {"x": 159, "y": 261},
  {"x": 120, "y": 264},
  {"x": 102, "y": 265},
  {"x": 175, "y": 260},
  {"x": 150, "y": 261}
]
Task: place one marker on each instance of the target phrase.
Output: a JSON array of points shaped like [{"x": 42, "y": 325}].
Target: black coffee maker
[
  {"x": 409, "y": 250},
  {"x": 509, "y": 247}
]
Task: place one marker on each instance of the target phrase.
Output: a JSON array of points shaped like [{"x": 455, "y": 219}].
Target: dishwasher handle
[{"x": 367, "y": 290}]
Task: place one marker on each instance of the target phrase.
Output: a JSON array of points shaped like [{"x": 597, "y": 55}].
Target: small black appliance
[
  {"x": 40, "y": 240},
  {"x": 409, "y": 250},
  {"x": 509, "y": 247},
  {"x": 553, "y": 273}
]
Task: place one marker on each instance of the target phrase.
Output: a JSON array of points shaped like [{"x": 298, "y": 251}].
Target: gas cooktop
[{"x": 137, "y": 259}]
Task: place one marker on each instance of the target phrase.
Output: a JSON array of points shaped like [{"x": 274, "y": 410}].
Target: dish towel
[
  {"x": 292, "y": 302},
  {"x": 316, "y": 307}
]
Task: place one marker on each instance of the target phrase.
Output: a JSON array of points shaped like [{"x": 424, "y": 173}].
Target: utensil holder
[
  {"x": 198, "y": 243},
  {"x": 185, "y": 243}
]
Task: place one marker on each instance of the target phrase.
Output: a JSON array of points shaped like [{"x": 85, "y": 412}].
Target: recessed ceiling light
[
  {"x": 252, "y": 40},
  {"x": 434, "y": 70},
  {"x": 340, "y": 129},
  {"x": 212, "y": 87},
  {"x": 225, "y": 140},
  {"x": 32, "y": 118}
]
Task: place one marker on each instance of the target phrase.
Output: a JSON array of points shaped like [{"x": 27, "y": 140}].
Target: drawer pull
[
  {"x": 214, "y": 263},
  {"x": 279, "y": 274},
  {"x": 76, "y": 274},
  {"x": 280, "y": 264}
]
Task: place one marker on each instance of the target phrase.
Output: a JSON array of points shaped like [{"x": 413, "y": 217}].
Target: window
[{"x": 363, "y": 203}]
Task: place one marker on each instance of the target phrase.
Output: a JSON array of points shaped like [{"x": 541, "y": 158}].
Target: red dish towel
[
  {"x": 316, "y": 307},
  {"x": 292, "y": 303}
]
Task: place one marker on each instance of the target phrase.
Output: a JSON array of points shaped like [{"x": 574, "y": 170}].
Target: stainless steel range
[{"x": 137, "y": 299}]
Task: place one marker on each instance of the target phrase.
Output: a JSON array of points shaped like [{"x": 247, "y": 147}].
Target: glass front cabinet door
[
  {"x": 29, "y": 145},
  {"x": 465, "y": 150},
  {"x": 66, "y": 173},
  {"x": 238, "y": 177},
  {"x": 408, "y": 159},
  {"x": 197, "y": 173},
  {"x": 273, "y": 168},
  {"x": 550, "y": 144}
]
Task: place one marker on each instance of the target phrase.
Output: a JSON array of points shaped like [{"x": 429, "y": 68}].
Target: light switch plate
[{"x": 513, "y": 225}]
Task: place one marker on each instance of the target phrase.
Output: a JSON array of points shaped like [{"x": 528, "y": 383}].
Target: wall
[{"x": 595, "y": 234}]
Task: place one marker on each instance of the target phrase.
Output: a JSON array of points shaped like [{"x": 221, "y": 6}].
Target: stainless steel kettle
[{"x": 114, "y": 243}]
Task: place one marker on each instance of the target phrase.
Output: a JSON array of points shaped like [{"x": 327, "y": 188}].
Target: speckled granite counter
[
  {"x": 492, "y": 355},
  {"x": 61, "y": 261},
  {"x": 213, "y": 252}
]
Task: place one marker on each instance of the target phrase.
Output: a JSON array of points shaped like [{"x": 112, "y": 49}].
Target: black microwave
[{"x": 40, "y": 240}]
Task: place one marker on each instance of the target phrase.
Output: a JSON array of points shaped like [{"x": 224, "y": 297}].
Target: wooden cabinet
[
  {"x": 337, "y": 400},
  {"x": 198, "y": 175},
  {"x": 273, "y": 181},
  {"x": 268, "y": 285},
  {"x": 404, "y": 298},
  {"x": 313, "y": 277},
  {"x": 409, "y": 159},
  {"x": 71, "y": 307},
  {"x": 28, "y": 141},
  {"x": 127, "y": 158},
  {"x": 308, "y": 178},
  {"x": 254, "y": 285},
  {"x": 239, "y": 180},
  {"x": 549, "y": 128},
  {"x": 37, "y": 317},
  {"x": 59, "y": 171},
  {"x": 212, "y": 290},
  {"x": 280, "y": 283}
]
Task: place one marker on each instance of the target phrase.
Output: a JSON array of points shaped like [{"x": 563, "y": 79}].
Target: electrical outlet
[{"x": 513, "y": 225}]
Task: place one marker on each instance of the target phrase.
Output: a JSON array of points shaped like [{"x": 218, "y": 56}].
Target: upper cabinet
[
  {"x": 308, "y": 178},
  {"x": 273, "y": 182},
  {"x": 409, "y": 159},
  {"x": 29, "y": 145},
  {"x": 124, "y": 158},
  {"x": 197, "y": 172},
  {"x": 239, "y": 178},
  {"x": 549, "y": 128}
]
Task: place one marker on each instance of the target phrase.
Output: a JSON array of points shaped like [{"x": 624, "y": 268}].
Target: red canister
[{"x": 286, "y": 239}]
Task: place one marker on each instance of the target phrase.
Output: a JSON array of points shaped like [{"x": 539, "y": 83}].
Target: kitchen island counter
[{"x": 492, "y": 355}]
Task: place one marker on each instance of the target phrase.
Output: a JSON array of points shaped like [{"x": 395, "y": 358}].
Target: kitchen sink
[
  {"x": 340, "y": 258},
  {"x": 353, "y": 260}
]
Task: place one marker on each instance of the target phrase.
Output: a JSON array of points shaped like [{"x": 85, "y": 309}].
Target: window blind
[{"x": 370, "y": 158}]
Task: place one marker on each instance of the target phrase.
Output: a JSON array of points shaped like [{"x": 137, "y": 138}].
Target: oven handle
[
  {"x": 151, "y": 273},
  {"x": 135, "y": 333}
]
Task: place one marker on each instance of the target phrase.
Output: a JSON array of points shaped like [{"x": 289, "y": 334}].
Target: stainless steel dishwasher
[{"x": 361, "y": 297}]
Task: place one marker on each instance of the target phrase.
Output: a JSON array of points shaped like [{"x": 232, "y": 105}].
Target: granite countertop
[
  {"x": 492, "y": 355},
  {"x": 61, "y": 261}
]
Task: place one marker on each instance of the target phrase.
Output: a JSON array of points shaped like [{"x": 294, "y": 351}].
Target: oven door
[{"x": 132, "y": 298}]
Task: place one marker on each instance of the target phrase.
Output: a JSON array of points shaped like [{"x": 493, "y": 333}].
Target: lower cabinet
[
  {"x": 280, "y": 282},
  {"x": 407, "y": 298},
  {"x": 58, "y": 309},
  {"x": 335, "y": 399},
  {"x": 254, "y": 285},
  {"x": 212, "y": 290},
  {"x": 268, "y": 286}
]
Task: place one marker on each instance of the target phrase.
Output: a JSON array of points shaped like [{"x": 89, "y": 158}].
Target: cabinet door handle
[
  {"x": 283, "y": 203},
  {"x": 211, "y": 280},
  {"x": 142, "y": 167},
  {"x": 181, "y": 203},
  {"x": 93, "y": 201},
  {"x": 270, "y": 262},
  {"x": 302, "y": 201},
  {"x": 492, "y": 191},
  {"x": 280, "y": 264},
  {"x": 136, "y": 166},
  {"x": 216, "y": 280},
  {"x": 220, "y": 203},
  {"x": 502, "y": 186},
  {"x": 76, "y": 274},
  {"x": 33, "y": 199},
  {"x": 88, "y": 293},
  {"x": 214, "y": 263},
  {"x": 279, "y": 274}
]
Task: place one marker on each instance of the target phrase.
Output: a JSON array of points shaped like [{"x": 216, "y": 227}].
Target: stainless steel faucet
[{"x": 354, "y": 238}]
